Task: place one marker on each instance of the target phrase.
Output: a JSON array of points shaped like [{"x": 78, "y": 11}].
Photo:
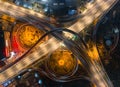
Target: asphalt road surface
[{"x": 93, "y": 11}]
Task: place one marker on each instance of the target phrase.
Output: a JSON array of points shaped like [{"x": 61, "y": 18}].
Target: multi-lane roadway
[{"x": 98, "y": 8}]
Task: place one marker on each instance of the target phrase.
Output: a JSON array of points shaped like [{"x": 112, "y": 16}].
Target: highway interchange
[{"x": 99, "y": 8}]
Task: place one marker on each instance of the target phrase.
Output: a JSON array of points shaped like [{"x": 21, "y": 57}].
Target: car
[{"x": 91, "y": 1}]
